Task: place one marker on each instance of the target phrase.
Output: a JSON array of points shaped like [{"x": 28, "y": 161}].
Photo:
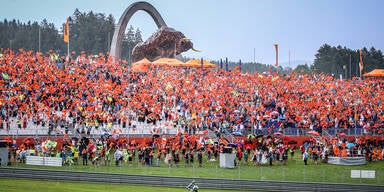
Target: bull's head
[
  {"x": 184, "y": 45},
  {"x": 166, "y": 42}
]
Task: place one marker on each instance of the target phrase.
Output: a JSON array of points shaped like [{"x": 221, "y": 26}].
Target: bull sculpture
[{"x": 165, "y": 42}]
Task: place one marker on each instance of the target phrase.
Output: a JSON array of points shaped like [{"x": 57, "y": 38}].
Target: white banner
[{"x": 347, "y": 160}]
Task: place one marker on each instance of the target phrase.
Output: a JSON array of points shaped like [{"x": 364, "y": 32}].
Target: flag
[
  {"x": 226, "y": 64},
  {"x": 240, "y": 64},
  {"x": 361, "y": 60},
  {"x": 66, "y": 32},
  {"x": 277, "y": 55},
  {"x": 221, "y": 63}
]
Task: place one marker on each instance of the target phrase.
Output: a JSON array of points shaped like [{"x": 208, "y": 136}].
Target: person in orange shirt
[
  {"x": 344, "y": 152},
  {"x": 336, "y": 151}
]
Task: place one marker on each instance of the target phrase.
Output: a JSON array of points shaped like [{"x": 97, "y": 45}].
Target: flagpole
[
  {"x": 69, "y": 21},
  {"x": 360, "y": 72},
  {"x": 277, "y": 57},
  {"x": 361, "y": 64},
  {"x": 68, "y": 43},
  {"x": 39, "y": 37}
]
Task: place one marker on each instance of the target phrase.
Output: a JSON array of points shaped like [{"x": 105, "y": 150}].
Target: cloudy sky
[{"x": 237, "y": 29}]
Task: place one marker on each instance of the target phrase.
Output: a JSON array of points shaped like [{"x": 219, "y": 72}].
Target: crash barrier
[
  {"x": 168, "y": 181},
  {"x": 3, "y": 153},
  {"x": 46, "y": 161}
]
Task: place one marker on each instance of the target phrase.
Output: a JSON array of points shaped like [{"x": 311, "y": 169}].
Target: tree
[
  {"x": 342, "y": 60},
  {"x": 131, "y": 38},
  {"x": 303, "y": 69},
  {"x": 138, "y": 38}
]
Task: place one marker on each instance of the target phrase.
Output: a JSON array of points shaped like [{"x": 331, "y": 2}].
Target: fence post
[
  {"x": 216, "y": 171},
  {"x": 377, "y": 177},
  {"x": 360, "y": 177},
  {"x": 193, "y": 171},
  {"x": 323, "y": 175},
  {"x": 239, "y": 172}
]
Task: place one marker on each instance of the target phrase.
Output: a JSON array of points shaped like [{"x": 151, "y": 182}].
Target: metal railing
[{"x": 293, "y": 131}]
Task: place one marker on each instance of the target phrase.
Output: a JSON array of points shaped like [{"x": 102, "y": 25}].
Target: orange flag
[
  {"x": 361, "y": 60},
  {"x": 277, "y": 55},
  {"x": 66, "y": 32}
]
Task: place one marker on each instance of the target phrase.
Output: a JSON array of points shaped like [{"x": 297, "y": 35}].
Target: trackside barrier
[
  {"x": 47, "y": 161},
  {"x": 370, "y": 174},
  {"x": 169, "y": 181}
]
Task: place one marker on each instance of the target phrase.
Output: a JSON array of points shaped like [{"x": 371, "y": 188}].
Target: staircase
[{"x": 325, "y": 134}]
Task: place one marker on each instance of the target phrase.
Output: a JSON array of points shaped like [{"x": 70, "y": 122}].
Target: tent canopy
[
  {"x": 197, "y": 63},
  {"x": 144, "y": 64},
  {"x": 375, "y": 73},
  {"x": 141, "y": 66},
  {"x": 168, "y": 62},
  {"x": 144, "y": 61}
]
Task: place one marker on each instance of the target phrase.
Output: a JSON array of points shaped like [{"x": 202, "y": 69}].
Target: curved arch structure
[{"x": 118, "y": 35}]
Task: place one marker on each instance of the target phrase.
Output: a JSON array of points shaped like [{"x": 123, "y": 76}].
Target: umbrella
[
  {"x": 232, "y": 145},
  {"x": 350, "y": 145},
  {"x": 199, "y": 63},
  {"x": 275, "y": 113},
  {"x": 315, "y": 133},
  {"x": 277, "y": 134},
  {"x": 375, "y": 73},
  {"x": 237, "y": 134},
  {"x": 168, "y": 62}
]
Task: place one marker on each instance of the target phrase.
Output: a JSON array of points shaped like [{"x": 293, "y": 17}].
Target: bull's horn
[{"x": 195, "y": 49}]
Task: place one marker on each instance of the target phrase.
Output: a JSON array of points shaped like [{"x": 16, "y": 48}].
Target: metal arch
[{"x": 118, "y": 35}]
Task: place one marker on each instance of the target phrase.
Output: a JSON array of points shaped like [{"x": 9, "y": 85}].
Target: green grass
[
  {"x": 17, "y": 185},
  {"x": 294, "y": 170}
]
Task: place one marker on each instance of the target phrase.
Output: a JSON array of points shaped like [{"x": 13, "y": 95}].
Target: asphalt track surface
[{"x": 167, "y": 181}]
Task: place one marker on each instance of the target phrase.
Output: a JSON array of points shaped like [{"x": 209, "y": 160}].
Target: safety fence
[
  {"x": 294, "y": 171},
  {"x": 139, "y": 128}
]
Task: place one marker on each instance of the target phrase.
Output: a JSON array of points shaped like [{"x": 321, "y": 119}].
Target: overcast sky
[{"x": 237, "y": 29}]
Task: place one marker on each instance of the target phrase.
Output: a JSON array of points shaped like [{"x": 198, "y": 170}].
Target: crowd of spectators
[{"x": 93, "y": 91}]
